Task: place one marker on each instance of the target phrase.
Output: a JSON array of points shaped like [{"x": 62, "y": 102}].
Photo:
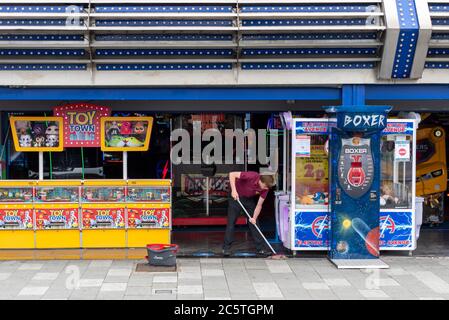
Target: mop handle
[{"x": 255, "y": 225}]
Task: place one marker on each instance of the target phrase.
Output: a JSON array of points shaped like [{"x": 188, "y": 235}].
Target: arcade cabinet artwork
[
  {"x": 431, "y": 172},
  {"x": 355, "y": 182}
]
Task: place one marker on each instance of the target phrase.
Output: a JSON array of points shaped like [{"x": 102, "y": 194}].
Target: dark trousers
[{"x": 234, "y": 210}]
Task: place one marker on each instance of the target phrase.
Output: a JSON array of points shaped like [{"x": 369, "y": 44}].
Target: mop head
[{"x": 278, "y": 257}]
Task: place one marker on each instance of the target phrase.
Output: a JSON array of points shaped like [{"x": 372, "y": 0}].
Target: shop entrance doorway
[{"x": 201, "y": 190}]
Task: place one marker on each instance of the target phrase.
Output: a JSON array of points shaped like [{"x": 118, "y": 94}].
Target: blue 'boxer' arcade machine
[{"x": 355, "y": 185}]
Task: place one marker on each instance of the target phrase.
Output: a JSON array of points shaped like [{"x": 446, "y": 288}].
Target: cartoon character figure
[
  {"x": 73, "y": 221},
  {"x": 86, "y": 221},
  {"x": 113, "y": 130},
  {"x": 119, "y": 141},
  {"x": 39, "y": 140},
  {"x": 22, "y": 127},
  {"x": 51, "y": 140},
  {"x": 139, "y": 128},
  {"x": 28, "y": 222},
  {"x": 164, "y": 219},
  {"x": 119, "y": 220},
  {"x": 126, "y": 128},
  {"x": 38, "y": 129},
  {"x": 52, "y": 130},
  {"x": 25, "y": 140},
  {"x": 319, "y": 197}
]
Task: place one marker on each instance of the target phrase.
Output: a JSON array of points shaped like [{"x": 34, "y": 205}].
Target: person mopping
[{"x": 250, "y": 189}]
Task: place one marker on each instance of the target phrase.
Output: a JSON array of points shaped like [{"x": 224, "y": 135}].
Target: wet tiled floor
[{"x": 225, "y": 279}]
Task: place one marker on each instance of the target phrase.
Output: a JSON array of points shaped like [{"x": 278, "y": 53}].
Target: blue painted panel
[
  {"x": 163, "y": 67},
  {"x": 42, "y": 52},
  {"x": 310, "y": 51},
  {"x": 41, "y": 37},
  {"x": 178, "y": 93},
  {"x": 396, "y": 230},
  {"x": 40, "y": 9},
  {"x": 437, "y": 65},
  {"x": 163, "y": 9},
  {"x": 163, "y": 37},
  {"x": 440, "y": 21},
  {"x": 434, "y": 52},
  {"x": 37, "y": 22},
  {"x": 164, "y": 52},
  {"x": 407, "y": 92},
  {"x": 309, "y": 65},
  {"x": 311, "y": 230},
  {"x": 439, "y": 7},
  {"x": 311, "y": 36},
  {"x": 42, "y": 67},
  {"x": 408, "y": 39},
  {"x": 163, "y": 23},
  {"x": 440, "y": 36},
  {"x": 308, "y": 22},
  {"x": 342, "y": 7}
]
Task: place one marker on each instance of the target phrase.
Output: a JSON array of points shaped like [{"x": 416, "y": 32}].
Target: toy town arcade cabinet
[{"x": 355, "y": 185}]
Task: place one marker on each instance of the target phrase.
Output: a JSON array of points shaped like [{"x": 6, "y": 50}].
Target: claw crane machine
[
  {"x": 56, "y": 207},
  {"x": 17, "y": 211},
  {"x": 148, "y": 212},
  {"x": 103, "y": 213},
  {"x": 16, "y": 215},
  {"x": 308, "y": 221}
]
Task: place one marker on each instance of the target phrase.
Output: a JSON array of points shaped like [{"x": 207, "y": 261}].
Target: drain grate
[{"x": 164, "y": 291}]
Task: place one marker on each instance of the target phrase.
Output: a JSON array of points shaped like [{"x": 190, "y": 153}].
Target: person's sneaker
[{"x": 226, "y": 252}]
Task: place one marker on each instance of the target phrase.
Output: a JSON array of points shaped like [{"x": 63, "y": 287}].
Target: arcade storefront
[{"x": 90, "y": 175}]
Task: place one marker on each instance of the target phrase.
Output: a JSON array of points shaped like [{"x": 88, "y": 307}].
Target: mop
[{"x": 275, "y": 255}]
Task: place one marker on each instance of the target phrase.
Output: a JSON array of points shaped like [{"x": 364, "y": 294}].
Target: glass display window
[
  {"x": 396, "y": 172},
  {"x": 148, "y": 194},
  {"x": 17, "y": 194},
  {"x": 103, "y": 194},
  {"x": 311, "y": 170},
  {"x": 57, "y": 194}
]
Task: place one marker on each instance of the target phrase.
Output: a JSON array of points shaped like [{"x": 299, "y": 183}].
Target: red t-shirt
[{"x": 248, "y": 185}]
